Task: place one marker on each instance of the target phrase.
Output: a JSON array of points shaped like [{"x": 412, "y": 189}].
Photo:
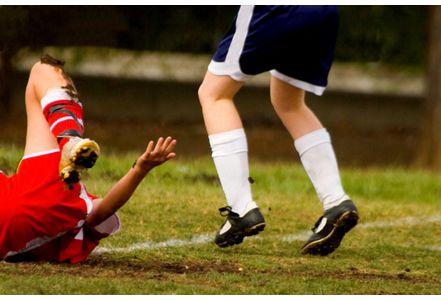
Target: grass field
[{"x": 165, "y": 245}]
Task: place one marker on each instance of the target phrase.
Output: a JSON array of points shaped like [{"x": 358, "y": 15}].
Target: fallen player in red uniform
[{"x": 46, "y": 212}]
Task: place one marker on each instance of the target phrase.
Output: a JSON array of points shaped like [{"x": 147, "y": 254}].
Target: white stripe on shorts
[
  {"x": 231, "y": 65},
  {"x": 36, "y": 154},
  {"x": 318, "y": 90},
  {"x": 86, "y": 198}
]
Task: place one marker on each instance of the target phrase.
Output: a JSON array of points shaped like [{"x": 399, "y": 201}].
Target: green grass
[{"x": 396, "y": 249}]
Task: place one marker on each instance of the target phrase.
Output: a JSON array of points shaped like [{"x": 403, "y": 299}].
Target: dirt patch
[
  {"x": 156, "y": 268},
  {"x": 118, "y": 268},
  {"x": 161, "y": 266}
]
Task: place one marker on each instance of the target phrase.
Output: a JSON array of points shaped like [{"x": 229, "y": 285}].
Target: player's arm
[{"x": 155, "y": 155}]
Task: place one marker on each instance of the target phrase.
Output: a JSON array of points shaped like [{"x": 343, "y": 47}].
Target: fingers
[
  {"x": 159, "y": 144},
  {"x": 169, "y": 145},
  {"x": 150, "y": 147},
  {"x": 170, "y": 156},
  {"x": 162, "y": 149},
  {"x": 163, "y": 146},
  {"x": 156, "y": 154}
]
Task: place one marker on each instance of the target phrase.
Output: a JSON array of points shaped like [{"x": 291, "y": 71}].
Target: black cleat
[
  {"x": 330, "y": 229},
  {"x": 236, "y": 228}
]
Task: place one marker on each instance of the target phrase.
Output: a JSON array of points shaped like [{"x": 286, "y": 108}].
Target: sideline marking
[
  {"x": 301, "y": 236},
  {"x": 196, "y": 240}
]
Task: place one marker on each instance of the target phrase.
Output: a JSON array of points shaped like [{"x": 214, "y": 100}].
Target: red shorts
[{"x": 40, "y": 219}]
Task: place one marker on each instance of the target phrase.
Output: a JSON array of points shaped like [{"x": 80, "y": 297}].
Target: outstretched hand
[{"x": 156, "y": 155}]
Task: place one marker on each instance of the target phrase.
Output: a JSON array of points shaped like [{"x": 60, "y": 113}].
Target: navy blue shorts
[{"x": 295, "y": 43}]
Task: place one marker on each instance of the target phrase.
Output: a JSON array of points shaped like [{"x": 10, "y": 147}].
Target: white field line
[
  {"x": 300, "y": 236},
  {"x": 199, "y": 239}
]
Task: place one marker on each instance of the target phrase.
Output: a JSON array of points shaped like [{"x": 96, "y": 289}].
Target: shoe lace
[{"x": 227, "y": 212}]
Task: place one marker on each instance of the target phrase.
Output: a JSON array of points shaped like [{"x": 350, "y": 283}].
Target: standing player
[
  {"x": 46, "y": 212},
  {"x": 295, "y": 43}
]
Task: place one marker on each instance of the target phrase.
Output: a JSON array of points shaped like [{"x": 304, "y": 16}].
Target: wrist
[{"x": 138, "y": 171}]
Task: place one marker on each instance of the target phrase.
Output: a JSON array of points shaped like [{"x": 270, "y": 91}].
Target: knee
[
  {"x": 36, "y": 69},
  {"x": 40, "y": 71},
  {"x": 48, "y": 66},
  {"x": 206, "y": 95},
  {"x": 44, "y": 76},
  {"x": 210, "y": 93},
  {"x": 215, "y": 88}
]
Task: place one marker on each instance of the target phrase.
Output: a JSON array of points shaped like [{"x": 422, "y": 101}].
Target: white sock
[
  {"x": 318, "y": 159},
  {"x": 230, "y": 156}
]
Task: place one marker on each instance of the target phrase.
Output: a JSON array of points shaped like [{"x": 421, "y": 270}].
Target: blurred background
[{"x": 138, "y": 69}]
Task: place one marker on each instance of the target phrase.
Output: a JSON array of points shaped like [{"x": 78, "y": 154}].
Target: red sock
[{"x": 64, "y": 115}]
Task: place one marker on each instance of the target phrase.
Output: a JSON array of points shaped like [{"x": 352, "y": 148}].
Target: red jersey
[{"x": 40, "y": 219}]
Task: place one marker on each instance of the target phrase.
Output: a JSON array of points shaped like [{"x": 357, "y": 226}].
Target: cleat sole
[
  {"x": 81, "y": 156},
  {"x": 329, "y": 243},
  {"x": 239, "y": 236}
]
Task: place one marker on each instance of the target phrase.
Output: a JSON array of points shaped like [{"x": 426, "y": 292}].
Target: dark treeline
[{"x": 391, "y": 34}]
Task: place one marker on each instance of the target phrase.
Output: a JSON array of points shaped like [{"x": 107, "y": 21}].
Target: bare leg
[
  {"x": 216, "y": 97},
  {"x": 289, "y": 104},
  {"x": 55, "y": 119},
  {"x": 38, "y": 137}
]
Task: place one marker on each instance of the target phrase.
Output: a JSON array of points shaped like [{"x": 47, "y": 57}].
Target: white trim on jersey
[
  {"x": 231, "y": 65},
  {"x": 318, "y": 90},
  {"x": 109, "y": 226},
  {"x": 86, "y": 198},
  {"x": 80, "y": 235}
]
